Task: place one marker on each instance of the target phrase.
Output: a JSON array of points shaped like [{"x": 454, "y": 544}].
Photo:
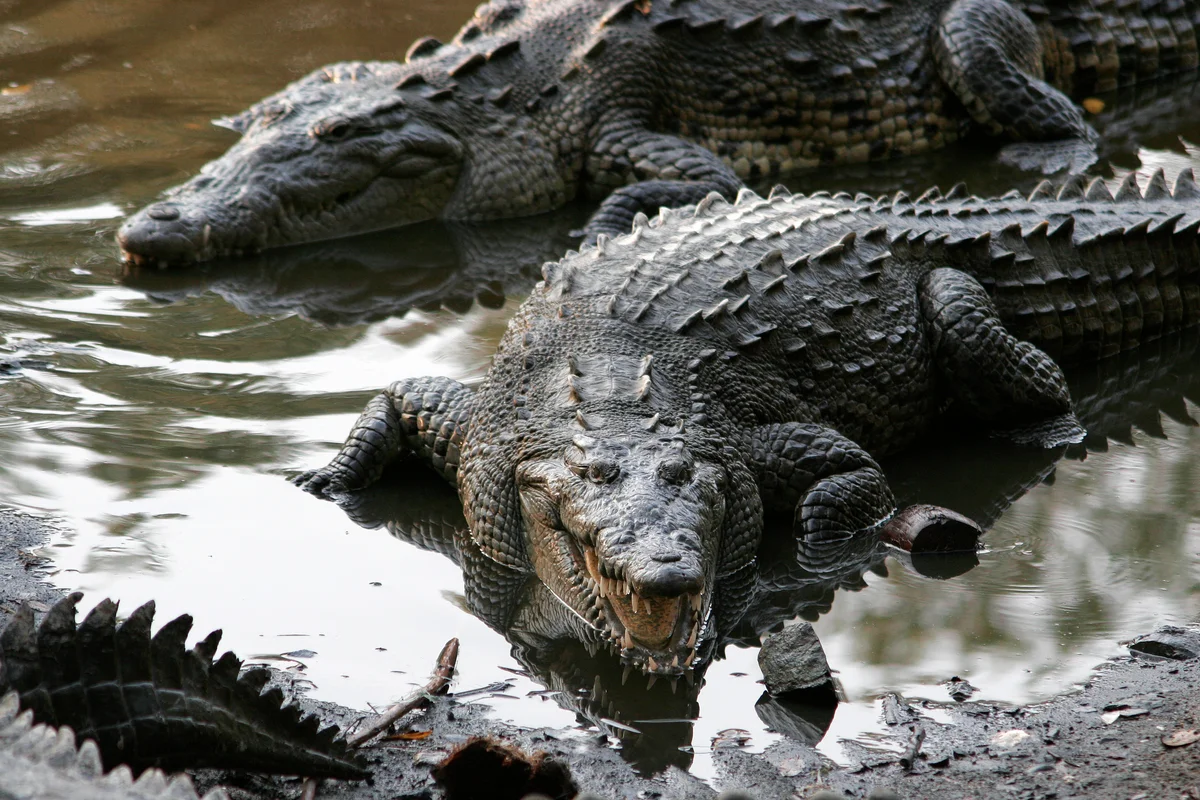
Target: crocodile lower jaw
[{"x": 657, "y": 634}]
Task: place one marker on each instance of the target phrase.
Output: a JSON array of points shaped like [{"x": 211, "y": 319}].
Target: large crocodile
[
  {"x": 659, "y": 391},
  {"x": 980, "y": 476},
  {"x": 652, "y": 103}
]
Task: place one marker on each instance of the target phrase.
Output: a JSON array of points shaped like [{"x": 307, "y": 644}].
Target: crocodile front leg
[
  {"x": 669, "y": 172},
  {"x": 990, "y": 55},
  {"x": 998, "y": 378},
  {"x": 835, "y": 487},
  {"x": 424, "y": 416}
]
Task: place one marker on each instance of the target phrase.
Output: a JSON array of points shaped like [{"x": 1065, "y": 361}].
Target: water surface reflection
[{"x": 157, "y": 414}]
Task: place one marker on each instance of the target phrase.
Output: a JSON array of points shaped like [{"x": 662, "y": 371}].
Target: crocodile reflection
[
  {"x": 791, "y": 579},
  {"x": 451, "y": 265}
]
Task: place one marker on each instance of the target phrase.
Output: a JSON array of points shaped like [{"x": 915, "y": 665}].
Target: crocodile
[
  {"x": 145, "y": 705},
  {"x": 649, "y": 103},
  {"x": 981, "y": 476},
  {"x": 661, "y": 391},
  {"x": 40, "y": 762}
]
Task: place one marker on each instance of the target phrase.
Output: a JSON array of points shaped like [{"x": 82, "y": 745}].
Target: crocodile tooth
[
  {"x": 651, "y": 664},
  {"x": 650, "y": 683},
  {"x": 625, "y": 673},
  {"x": 674, "y": 682},
  {"x": 675, "y": 661},
  {"x": 1128, "y": 189},
  {"x": 697, "y": 601},
  {"x": 691, "y": 642},
  {"x": 646, "y": 603},
  {"x": 597, "y": 687},
  {"x": 687, "y": 662},
  {"x": 779, "y": 190},
  {"x": 633, "y": 599},
  {"x": 627, "y": 641},
  {"x": 626, "y": 588},
  {"x": 640, "y": 221}
]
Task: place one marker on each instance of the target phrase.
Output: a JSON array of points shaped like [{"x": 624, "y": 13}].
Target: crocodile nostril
[
  {"x": 163, "y": 213},
  {"x": 666, "y": 558}
]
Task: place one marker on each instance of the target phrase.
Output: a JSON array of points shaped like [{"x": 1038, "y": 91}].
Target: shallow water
[{"x": 156, "y": 416}]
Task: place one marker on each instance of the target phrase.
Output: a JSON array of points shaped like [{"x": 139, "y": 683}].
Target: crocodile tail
[
  {"x": 149, "y": 702},
  {"x": 47, "y": 761}
]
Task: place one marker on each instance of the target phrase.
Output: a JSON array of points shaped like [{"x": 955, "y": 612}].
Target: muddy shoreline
[{"x": 1105, "y": 740}]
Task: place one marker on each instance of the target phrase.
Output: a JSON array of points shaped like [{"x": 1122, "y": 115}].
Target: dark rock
[
  {"x": 959, "y": 689},
  {"x": 1178, "y": 644},
  {"x": 487, "y": 768},
  {"x": 793, "y": 660},
  {"x": 882, "y": 793}
]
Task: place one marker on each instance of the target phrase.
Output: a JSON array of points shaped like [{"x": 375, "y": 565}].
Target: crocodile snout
[{"x": 164, "y": 233}]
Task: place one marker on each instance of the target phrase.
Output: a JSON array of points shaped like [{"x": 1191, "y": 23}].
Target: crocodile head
[
  {"x": 321, "y": 159},
  {"x": 626, "y": 532}
]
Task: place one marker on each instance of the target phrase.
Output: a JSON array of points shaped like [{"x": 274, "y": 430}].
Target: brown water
[{"x": 156, "y": 416}]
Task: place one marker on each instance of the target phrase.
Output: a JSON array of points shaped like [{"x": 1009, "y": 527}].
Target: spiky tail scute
[
  {"x": 149, "y": 702},
  {"x": 38, "y": 762}
]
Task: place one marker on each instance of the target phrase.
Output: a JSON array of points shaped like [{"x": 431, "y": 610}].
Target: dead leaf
[
  {"x": 409, "y": 736},
  {"x": 1093, "y": 105},
  {"x": 11, "y": 90},
  {"x": 1112, "y": 716},
  {"x": 1181, "y": 738}
]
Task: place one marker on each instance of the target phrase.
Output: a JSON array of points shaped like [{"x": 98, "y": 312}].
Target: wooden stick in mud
[{"x": 442, "y": 673}]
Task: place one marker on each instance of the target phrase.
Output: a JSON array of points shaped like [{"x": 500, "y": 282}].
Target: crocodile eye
[
  {"x": 599, "y": 470},
  {"x": 332, "y": 130},
  {"x": 603, "y": 470},
  {"x": 675, "y": 470}
]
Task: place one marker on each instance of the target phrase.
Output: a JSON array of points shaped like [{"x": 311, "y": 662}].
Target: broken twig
[{"x": 438, "y": 683}]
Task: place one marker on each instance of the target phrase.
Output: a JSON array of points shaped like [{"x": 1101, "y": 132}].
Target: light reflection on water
[{"x": 158, "y": 422}]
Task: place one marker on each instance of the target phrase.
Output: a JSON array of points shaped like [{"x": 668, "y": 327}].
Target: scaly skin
[
  {"x": 651, "y": 104},
  {"x": 148, "y": 702},
  {"x": 788, "y": 582},
  {"x": 38, "y": 762},
  {"x": 658, "y": 392}
]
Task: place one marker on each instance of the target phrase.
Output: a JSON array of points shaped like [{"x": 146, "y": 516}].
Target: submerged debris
[
  {"x": 1178, "y": 644},
  {"x": 489, "y": 769},
  {"x": 932, "y": 529}
]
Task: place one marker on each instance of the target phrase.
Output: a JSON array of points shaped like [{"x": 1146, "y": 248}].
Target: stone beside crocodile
[
  {"x": 659, "y": 393},
  {"x": 649, "y": 103}
]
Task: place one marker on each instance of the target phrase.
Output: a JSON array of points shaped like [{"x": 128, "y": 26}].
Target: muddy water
[{"x": 157, "y": 416}]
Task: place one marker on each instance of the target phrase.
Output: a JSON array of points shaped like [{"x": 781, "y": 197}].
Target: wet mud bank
[{"x": 1132, "y": 731}]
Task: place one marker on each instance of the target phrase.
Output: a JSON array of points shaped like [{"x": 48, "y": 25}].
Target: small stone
[
  {"x": 736, "y": 794},
  {"x": 825, "y": 794},
  {"x": 882, "y": 793},
  {"x": 793, "y": 659}
]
